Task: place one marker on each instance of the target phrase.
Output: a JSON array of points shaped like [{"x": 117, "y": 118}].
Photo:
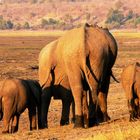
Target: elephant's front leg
[
  {"x": 32, "y": 117},
  {"x": 45, "y": 102},
  {"x": 65, "y": 112},
  {"x": 14, "y": 125}
]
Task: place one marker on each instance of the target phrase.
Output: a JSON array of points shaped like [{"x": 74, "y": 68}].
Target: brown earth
[{"x": 18, "y": 54}]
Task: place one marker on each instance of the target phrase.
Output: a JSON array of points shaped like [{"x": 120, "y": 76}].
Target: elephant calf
[
  {"x": 15, "y": 96},
  {"x": 131, "y": 84}
]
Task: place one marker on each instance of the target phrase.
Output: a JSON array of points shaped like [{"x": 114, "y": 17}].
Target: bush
[
  {"x": 114, "y": 16},
  {"x": 18, "y": 26},
  {"x": 130, "y": 15},
  {"x": 2, "y": 23},
  {"x": 9, "y": 25},
  {"x": 5, "y": 24},
  {"x": 50, "y": 23},
  {"x": 44, "y": 22},
  {"x": 137, "y": 21},
  {"x": 26, "y": 25}
]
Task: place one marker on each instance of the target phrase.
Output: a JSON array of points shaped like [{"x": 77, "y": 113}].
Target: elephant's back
[
  {"x": 127, "y": 76},
  {"x": 95, "y": 38},
  {"x": 8, "y": 85},
  {"x": 11, "y": 87}
]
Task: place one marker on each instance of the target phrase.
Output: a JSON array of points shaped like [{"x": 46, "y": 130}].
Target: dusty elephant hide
[
  {"x": 131, "y": 83},
  {"x": 15, "y": 96},
  {"x": 80, "y": 61}
]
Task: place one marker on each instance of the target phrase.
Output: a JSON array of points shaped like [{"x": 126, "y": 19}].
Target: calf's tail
[{"x": 1, "y": 112}]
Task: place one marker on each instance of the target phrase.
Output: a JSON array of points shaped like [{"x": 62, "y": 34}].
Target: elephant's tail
[
  {"x": 112, "y": 75},
  {"x": 1, "y": 112},
  {"x": 0, "y": 103}
]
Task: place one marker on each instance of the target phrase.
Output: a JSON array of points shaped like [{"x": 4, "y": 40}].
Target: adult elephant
[
  {"x": 130, "y": 79},
  {"x": 15, "y": 96},
  {"x": 101, "y": 114},
  {"x": 79, "y": 61}
]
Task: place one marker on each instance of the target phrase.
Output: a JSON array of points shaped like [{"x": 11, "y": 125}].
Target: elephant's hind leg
[
  {"x": 102, "y": 97},
  {"x": 85, "y": 109},
  {"x": 15, "y": 122},
  {"x": 77, "y": 91},
  {"x": 32, "y": 117},
  {"x": 45, "y": 102},
  {"x": 8, "y": 112}
]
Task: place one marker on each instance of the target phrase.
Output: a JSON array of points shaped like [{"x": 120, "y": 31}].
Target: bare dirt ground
[{"x": 18, "y": 54}]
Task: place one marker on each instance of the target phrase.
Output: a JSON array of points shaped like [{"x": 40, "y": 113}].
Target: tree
[
  {"x": 9, "y": 24},
  {"x": 130, "y": 14},
  {"x": 114, "y": 16},
  {"x": 26, "y": 25}
]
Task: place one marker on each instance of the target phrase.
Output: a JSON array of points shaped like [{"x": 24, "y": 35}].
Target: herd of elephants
[{"x": 75, "y": 68}]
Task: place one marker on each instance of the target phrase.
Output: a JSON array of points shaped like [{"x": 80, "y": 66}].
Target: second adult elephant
[
  {"x": 79, "y": 61},
  {"x": 131, "y": 84}
]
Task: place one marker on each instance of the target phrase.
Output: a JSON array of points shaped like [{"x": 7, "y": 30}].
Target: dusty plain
[{"x": 18, "y": 54}]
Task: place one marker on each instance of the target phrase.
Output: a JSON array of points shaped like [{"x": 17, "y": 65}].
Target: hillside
[{"x": 63, "y": 14}]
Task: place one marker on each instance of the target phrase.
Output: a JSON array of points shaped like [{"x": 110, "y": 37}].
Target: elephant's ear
[
  {"x": 43, "y": 75},
  {"x": 46, "y": 62},
  {"x": 137, "y": 66},
  {"x": 44, "y": 67}
]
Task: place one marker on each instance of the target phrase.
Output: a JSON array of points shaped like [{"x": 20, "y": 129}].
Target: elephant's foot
[
  {"x": 86, "y": 121},
  {"x": 64, "y": 122},
  {"x": 33, "y": 128},
  {"x": 78, "y": 121},
  {"x": 73, "y": 120},
  {"x": 132, "y": 116},
  {"x": 93, "y": 122},
  {"x": 5, "y": 131},
  {"x": 106, "y": 117},
  {"x": 43, "y": 126},
  {"x": 133, "y": 119},
  {"x": 14, "y": 129}
]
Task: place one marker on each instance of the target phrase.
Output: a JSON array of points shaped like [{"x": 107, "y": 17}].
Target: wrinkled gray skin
[
  {"x": 131, "y": 83},
  {"x": 80, "y": 66},
  {"x": 15, "y": 96}
]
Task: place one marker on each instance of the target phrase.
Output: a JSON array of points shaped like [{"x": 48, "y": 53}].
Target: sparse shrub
[
  {"x": 9, "y": 24},
  {"x": 114, "y": 16},
  {"x": 130, "y": 15},
  {"x": 34, "y": 1},
  {"x": 137, "y": 21},
  {"x": 26, "y": 25},
  {"x": 18, "y": 26},
  {"x": 5, "y": 24},
  {"x": 50, "y": 23},
  {"x": 44, "y": 22}
]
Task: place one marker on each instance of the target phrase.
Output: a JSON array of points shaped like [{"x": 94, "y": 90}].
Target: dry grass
[{"x": 26, "y": 33}]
